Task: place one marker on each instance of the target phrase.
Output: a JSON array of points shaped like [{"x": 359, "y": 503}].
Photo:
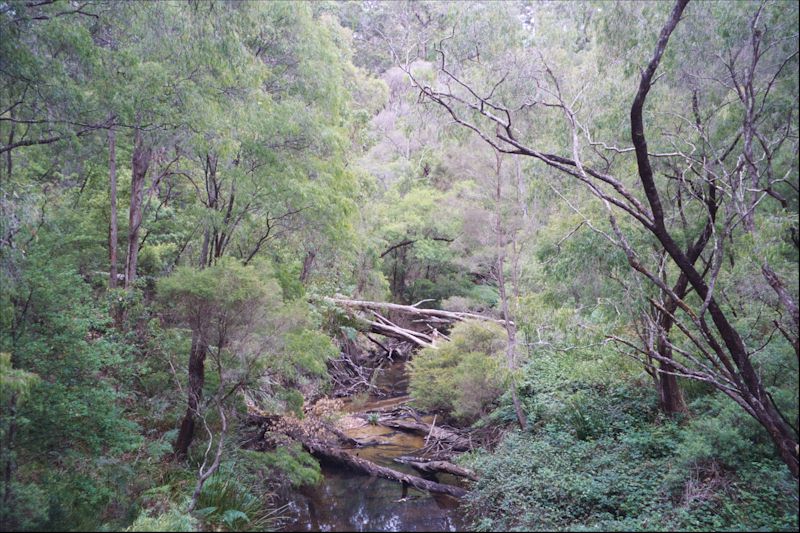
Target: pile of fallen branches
[
  {"x": 349, "y": 377},
  {"x": 441, "y": 442},
  {"x": 355, "y": 373},
  {"x": 428, "y": 324}
]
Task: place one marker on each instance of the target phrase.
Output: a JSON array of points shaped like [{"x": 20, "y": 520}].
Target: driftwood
[
  {"x": 456, "y": 442},
  {"x": 349, "y": 377},
  {"x": 434, "y": 467},
  {"x": 387, "y": 328}
]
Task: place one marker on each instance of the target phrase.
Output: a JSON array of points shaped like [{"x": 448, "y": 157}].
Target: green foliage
[
  {"x": 290, "y": 174},
  {"x": 310, "y": 350},
  {"x": 627, "y": 473},
  {"x": 294, "y": 463},
  {"x": 71, "y": 428},
  {"x": 463, "y": 377},
  {"x": 225, "y": 289},
  {"x": 172, "y": 520},
  {"x": 224, "y": 501},
  {"x": 28, "y": 508},
  {"x": 14, "y": 381}
]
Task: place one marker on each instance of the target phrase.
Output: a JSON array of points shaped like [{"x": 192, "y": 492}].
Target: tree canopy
[{"x": 225, "y": 226}]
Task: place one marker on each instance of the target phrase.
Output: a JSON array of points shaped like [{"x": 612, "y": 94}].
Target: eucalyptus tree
[
  {"x": 674, "y": 230},
  {"x": 264, "y": 164}
]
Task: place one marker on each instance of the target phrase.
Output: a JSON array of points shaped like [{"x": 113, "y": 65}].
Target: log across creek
[
  {"x": 324, "y": 451},
  {"x": 456, "y": 442},
  {"x": 331, "y": 450},
  {"x": 423, "y": 318},
  {"x": 435, "y": 467}
]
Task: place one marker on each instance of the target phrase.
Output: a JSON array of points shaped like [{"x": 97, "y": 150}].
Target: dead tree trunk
[
  {"x": 435, "y": 467},
  {"x": 308, "y": 264},
  {"x": 429, "y": 319},
  {"x": 307, "y": 433},
  {"x": 457, "y": 443},
  {"x": 448, "y": 316}
]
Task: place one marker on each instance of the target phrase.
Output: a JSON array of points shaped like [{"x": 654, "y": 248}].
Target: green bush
[
  {"x": 172, "y": 520},
  {"x": 226, "y": 501},
  {"x": 291, "y": 462},
  {"x": 461, "y": 378}
]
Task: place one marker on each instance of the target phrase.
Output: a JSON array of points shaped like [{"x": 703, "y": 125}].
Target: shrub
[
  {"x": 172, "y": 520},
  {"x": 604, "y": 462},
  {"x": 463, "y": 377}
]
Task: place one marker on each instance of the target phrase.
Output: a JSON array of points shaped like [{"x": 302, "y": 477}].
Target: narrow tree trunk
[
  {"x": 112, "y": 227},
  {"x": 511, "y": 345},
  {"x": 140, "y": 161},
  {"x": 204, "y": 474},
  {"x": 197, "y": 359},
  {"x": 783, "y": 293},
  {"x": 308, "y": 263},
  {"x": 670, "y": 395},
  {"x": 204, "y": 258},
  {"x": 9, "y": 159},
  {"x": 10, "y": 466}
]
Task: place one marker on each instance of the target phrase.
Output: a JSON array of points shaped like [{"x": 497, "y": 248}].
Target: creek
[{"x": 350, "y": 501}]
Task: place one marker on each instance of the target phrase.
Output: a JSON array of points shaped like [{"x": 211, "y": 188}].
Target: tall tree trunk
[
  {"x": 9, "y": 159},
  {"x": 112, "y": 227},
  {"x": 511, "y": 344},
  {"x": 670, "y": 395},
  {"x": 199, "y": 349},
  {"x": 197, "y": 360},
  {"x": 140, "y": 161}
]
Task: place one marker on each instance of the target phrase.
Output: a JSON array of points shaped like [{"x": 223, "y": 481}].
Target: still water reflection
[{"x": 346, "y": 501}]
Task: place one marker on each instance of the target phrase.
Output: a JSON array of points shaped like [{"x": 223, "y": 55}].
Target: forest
[{"x": 404, "y": 265}]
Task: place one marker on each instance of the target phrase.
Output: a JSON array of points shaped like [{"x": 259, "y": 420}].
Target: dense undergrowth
[{"x": 600, "y": 457}]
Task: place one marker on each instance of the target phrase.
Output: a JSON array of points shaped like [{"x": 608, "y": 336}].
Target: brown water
[{"x": 350, "y": 501}]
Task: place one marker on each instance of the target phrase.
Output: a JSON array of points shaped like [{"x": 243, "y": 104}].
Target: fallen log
[
  {"x": 298, "y": 431},
  {"x": 398, "y": 333},
  {"x": 452, "y": 316},
  {"x": 330, "y": 453},
  {"x": 457, "y": 442},
  {"x": 435, "y": 467}
]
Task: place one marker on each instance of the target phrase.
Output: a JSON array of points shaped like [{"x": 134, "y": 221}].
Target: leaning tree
[{"x": 732, "y": 159}]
